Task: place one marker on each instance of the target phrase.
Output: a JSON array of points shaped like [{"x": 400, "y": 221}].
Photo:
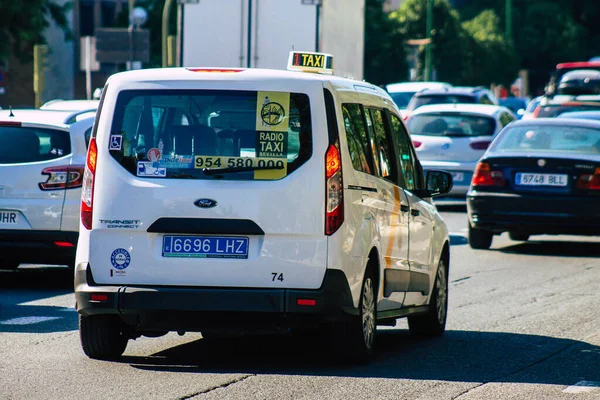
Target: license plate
[
  {"x": 9, "y": 218},
  {"x": 205, "y": 247},
  {"x": 541, "y": 179},
  {"x": 458, "y": 176}
]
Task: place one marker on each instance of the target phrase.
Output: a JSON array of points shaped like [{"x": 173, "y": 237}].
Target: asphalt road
[{"x": 523, "y": 324}]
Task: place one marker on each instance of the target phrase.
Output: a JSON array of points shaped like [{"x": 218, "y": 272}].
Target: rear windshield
[
  {"x": 402, "y": 98},
  {"x": 419, "y": 101},
  {"x": 551, "y": 111},
  {"x": 24, "y": 145},
  {"x": 207, "y": 134},
  {"x": 451, "y": 125},
  {"x": 562, "y": 139}
]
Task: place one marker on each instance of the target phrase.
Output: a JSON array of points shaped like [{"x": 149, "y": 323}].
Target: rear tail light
[
  {"x": 589, "y": 181},
  {"x": 484, "y": 176},
  {"x": 334, "y": 190},
  {"x": 536, "y": 112},
  {"x": 87, "y": 192},
  {"x": 10, "y": 123},
  {"x": 306, "y": 302},
  {"x": 417, "y": 144},
  {"x": 480, "y": 145},
  {"x": 406, "y": 117},
  {"x": 65, "y": 177},
  {"x": 64, "y": 244}
]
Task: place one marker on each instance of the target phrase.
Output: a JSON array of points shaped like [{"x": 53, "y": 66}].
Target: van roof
[{"x": 233, "y": 74}]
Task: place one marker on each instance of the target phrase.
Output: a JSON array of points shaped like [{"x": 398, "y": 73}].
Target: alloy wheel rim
[
  {"x": 368, "y": 313},
  {"x": 442, "y": 293}
]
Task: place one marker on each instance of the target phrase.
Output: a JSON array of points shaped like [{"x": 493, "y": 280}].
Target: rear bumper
[
  {"x": 502, "y": 212},
  {"x": 33, "y": 246},
  {"x": 198, "y": 308}
]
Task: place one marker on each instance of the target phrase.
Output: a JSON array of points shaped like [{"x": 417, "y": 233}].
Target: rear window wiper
[{"x": 229, "y": 170}]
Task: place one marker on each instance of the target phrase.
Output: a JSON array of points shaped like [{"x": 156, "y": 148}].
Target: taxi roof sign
[{"x": 307, "y": 61}]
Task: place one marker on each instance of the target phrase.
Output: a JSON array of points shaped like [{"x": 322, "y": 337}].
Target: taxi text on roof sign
[{"x": 307, "y": 61}]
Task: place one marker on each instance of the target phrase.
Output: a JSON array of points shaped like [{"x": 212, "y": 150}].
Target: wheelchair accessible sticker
[{"x": 120, "y": 259}]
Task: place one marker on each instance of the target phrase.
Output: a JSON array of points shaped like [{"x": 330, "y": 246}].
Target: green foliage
[
  {"x": 23, "y": 26},
  {"x": 385, "y": 56},
  {"x": 492, "y": 60}
]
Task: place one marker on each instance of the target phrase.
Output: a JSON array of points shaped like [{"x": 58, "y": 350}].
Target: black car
[
  {"x": 539, "y": 176},
  {"x": 468, "y": 95}
]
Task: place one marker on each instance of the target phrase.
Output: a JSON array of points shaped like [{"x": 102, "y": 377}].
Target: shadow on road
[
  {"x": 31, "y": 284},
  {"x": 554, "y": 248},
  {"x": 457, "y": 356}
]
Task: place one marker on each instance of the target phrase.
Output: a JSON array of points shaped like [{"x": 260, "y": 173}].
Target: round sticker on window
[
  {"x": 120, "y": 259},
  {"x": 154, "y": 154}
]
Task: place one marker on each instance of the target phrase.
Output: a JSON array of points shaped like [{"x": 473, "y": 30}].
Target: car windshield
[
  {"x": 424, "y": 100},
  {"x": 551, "y": 111},
  {"x": 208, "y": 134},
  {"x": 562, "y": 139},
  {"x": 402, "y": 98},
  {"x": 447, "y": 124},
  {"x": 24, "y": 145}
]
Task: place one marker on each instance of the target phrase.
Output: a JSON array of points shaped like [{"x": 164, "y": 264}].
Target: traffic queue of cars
[
  {"x": 540, "y": 175},
  {"x": 244, "y": 200}
]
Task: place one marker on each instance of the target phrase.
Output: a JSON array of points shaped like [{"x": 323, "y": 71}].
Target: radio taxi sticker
[
  {"x": 272, "y": 144},
  {"x": 120, "y": 259},
  {"x": 275, "y": 168},
  {"x": 116, "y": 142},
  {"x": 177, "y": 161},
  {"x": 272, "y": 111}
]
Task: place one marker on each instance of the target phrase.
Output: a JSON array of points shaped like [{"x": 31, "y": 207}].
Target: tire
[
  {"x": 102, "y": 336},
  {"x": 518, "y": 237},
  {"x": 480, "y": 239},
  {"x": 9, "y": 264},
  {"x": 434, "y": 322},
  {"x": 354, "y": 341}
]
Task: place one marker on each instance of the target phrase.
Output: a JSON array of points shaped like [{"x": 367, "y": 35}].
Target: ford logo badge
[{"x": 205, "y": 203}]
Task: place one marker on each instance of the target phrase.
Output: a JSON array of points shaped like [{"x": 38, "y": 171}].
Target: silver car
[{"x": 452, "y": 137}]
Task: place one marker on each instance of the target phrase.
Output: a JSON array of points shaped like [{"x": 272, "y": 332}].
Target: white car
[
  {"x": 71, "y": 105},
  {"x": 402, "y": 92},
  {"x": 247, "y": 199},
  {"x": 452, "y": 137},
  {"x": 41, "y": 172}
]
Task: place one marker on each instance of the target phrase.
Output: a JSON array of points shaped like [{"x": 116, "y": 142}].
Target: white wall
[
  {"x": 215, "y": 33},
  {"x": 342, "y": 35},
  {"x": 282, "y": 24}
]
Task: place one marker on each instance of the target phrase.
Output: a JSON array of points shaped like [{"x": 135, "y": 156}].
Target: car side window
[
  {"x": 385, "y": 151},
  {"x": 374, "y": 153},
  {"x": 505, "y": 119},
  {"x": 405, "y": 156},
  {"x": 356, "y": 136},
  {"x": 485, "y": 100}
]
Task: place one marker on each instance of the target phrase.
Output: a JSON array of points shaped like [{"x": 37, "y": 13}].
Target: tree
[
  {"x": 385, "y": 55},
  {"x": 491, "y": 60},
  {"x": 22, "y": 26},
  {"x": 448, "y": 37}
]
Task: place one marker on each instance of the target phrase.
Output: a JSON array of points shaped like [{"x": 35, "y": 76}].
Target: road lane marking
[
  {"x": 583, "y": 387},
  {"x": 27, "y": 320}
]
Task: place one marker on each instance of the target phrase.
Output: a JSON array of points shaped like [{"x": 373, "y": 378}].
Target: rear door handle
[
  {"x": 404, "y": 208},
  {"x": 415, "y": 213}
]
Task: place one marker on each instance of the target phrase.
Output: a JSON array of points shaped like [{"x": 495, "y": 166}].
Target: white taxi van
[{"x": 220, "y": 200}]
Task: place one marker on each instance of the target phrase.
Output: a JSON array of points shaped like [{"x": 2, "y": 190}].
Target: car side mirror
[{"x": 438, "y": 183}]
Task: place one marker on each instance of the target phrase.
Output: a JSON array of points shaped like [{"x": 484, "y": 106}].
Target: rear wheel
[
  {"x": 518, "y": 237},
  {"x": 480, "y": 239},
  {"x": 354, "y": 341},
  {"x": 102, "y": 336},
  {"x": 434, "y": 322}
]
